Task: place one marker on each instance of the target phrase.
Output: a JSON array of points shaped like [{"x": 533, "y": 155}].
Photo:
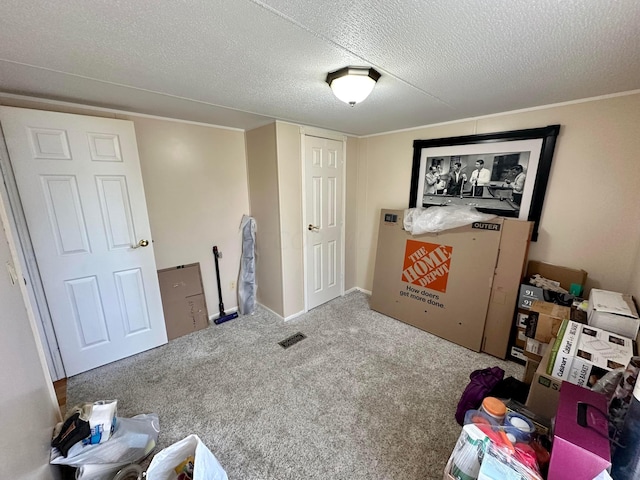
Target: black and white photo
[{"x": 504, "y": 173}]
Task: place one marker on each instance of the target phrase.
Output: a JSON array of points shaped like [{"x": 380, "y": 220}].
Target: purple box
[{"x": 581, "y": 443}]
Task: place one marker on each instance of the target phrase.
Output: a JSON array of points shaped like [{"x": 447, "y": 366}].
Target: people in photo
[
  {"x": 480, "y": 177},
  {"x": 456, "y": 180},
  {"x": 518, "y": 183},
  {"x": 433, "y": 184}
]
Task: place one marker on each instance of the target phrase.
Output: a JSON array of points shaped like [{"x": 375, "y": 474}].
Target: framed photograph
[{"x": 504, "y": 173}]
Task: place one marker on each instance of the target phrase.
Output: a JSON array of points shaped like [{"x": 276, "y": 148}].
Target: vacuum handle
[{"x": 216, "y": 254}]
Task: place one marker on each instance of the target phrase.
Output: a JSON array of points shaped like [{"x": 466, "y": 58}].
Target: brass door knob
[{"x": 141, "y": 243}]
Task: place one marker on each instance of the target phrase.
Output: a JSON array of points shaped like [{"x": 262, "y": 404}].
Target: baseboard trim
[
  {"x": 295, "y": 315},
  {"x": 358, "y": 289},
  {"x": 269, "y": 310},
  {"x": 290, "y": 317}
]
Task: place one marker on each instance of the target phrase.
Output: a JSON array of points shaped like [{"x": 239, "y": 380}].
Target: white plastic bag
[
  {"x": 132, "y": 440},
  {"x": 206, "y": 466},
  {"x": 436, "y": 219}
]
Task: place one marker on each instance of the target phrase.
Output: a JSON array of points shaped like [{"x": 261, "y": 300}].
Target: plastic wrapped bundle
[
  {"x": 436, "y": 219},
  {"x": 247, "y": 279}
]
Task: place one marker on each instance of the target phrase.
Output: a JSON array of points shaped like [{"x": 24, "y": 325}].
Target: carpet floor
[{"x": 364, "y": 396}]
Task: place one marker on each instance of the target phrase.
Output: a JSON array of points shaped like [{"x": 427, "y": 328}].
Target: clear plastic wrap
[
  {"x": 608, "y": 383},
  {"x": 436, "y": 219}
]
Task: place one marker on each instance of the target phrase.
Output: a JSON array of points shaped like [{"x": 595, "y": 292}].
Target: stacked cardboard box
[
  {"x": 581, "y": 355},
  {"x": 543, "y": 323},
  {"x": 614, "y": 312},
  {"x": 563, "y": 277},
  {"x": 545, "y": 390}
]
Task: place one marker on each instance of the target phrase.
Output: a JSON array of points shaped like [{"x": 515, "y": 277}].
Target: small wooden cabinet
[{"x": 183, "y": 302}]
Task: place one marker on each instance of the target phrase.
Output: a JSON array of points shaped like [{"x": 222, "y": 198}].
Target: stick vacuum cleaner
[{"x": 223, "y": 316}]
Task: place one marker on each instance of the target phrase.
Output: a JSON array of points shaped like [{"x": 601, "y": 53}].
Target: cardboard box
[
  {"x": 529, "y": 371},
  {"x": 581, "y": 436},
  {"x": 563, "y": 275},
  {"x": 534, "y": 349},
  {"x": 522, "y": 317},
  {"x": 529, "y": 294},
  {"x": 183, "y": 302},
  {"x": 460, "y": 284},
  {"x": 518, "y": 354},
  {"x": 521, "y": 338},
  {"x": 545, "y": 319},
  {"x": 545, "y": 390},
  {"x": 513, "y": 252},
  {"x": 582, "y": 354},
  {"x": 579, "y": 316},
  {"x": 614, "y": 312}
]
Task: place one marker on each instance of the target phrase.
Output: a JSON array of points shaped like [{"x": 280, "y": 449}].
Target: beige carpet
[{"x": 364, "y": 396}]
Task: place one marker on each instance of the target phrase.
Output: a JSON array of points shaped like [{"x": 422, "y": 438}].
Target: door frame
[
  {"x": 329, "y": 135},
  {"x": 29, "y": 265}
]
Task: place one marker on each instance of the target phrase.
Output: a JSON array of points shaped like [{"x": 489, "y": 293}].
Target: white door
[
  {"x": 81, "y": 188},
  {"x": 323, "y": 200}
]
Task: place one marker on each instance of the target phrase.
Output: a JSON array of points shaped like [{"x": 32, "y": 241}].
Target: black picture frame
[{"x": 508, "y": 154}]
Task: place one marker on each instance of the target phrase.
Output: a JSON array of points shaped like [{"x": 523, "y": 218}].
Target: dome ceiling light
[{"x": 352, "y": 84}]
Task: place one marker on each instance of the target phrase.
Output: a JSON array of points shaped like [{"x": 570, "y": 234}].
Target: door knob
[
  {"x": 141, "y": 243},
  {"x": 313, "y": 228}
]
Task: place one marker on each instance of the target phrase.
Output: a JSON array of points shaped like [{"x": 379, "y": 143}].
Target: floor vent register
[{"x": 292, "y": 340}]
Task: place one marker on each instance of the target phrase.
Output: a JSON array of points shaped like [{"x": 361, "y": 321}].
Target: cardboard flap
[{"x": 566, "y": 276}]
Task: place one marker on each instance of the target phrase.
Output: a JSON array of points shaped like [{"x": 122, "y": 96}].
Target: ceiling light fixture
[{"x": 352, "y": 84}]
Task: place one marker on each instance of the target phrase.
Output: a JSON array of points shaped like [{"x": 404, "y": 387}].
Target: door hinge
[{"x": 13, "y": 276}]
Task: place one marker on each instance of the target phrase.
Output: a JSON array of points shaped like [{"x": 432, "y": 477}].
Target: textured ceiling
[{"x": 243, "y": 63}]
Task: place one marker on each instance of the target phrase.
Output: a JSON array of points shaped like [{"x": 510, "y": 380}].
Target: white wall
[
  {"x": 195, "y": 181},
  {"x": 352, "y": 213},
  {"x": 634, "y": 285},
  {"x": 27, "y": 400},
  {"x": 289, "y": 158},
  {"x": 591, "y": 214}
]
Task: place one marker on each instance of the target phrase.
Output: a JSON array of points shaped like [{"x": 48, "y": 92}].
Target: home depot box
[
  {"x": 545, "y": 319},
  {"x": 545, "y": 390},
  {"x": 183, "y": 302},
  {"x": 581, "y": 435},
  {"x": 459, "y": 284},
  {"x": 614, "y": 312},
  {"x": 582, "y": 354}
]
